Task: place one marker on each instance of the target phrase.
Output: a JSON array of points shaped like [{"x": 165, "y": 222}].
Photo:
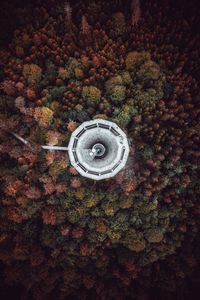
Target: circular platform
[{"x": 98, "y": 149}]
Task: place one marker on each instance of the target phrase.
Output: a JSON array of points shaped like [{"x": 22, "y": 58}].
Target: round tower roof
[{"x": 98, "y": 149}]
